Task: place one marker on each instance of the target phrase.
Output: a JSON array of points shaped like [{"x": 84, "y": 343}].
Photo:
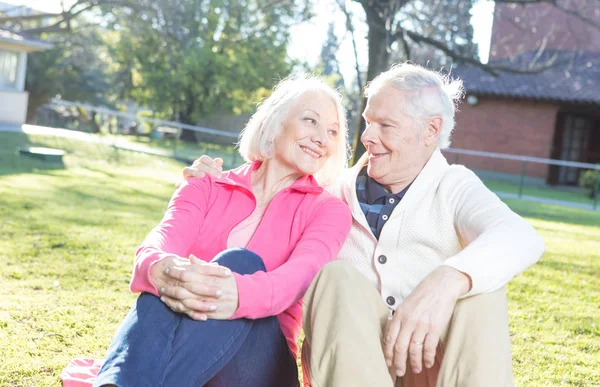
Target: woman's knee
[{"x": 240, "y": 261}]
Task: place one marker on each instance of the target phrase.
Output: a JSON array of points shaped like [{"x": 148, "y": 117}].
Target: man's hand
[
  {"x": 202, "y": 167},
  {"x": 420, "y": 320}
]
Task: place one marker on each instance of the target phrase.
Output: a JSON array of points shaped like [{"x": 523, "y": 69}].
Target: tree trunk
[
  {"x": 378, "y": 62},
  {"x": 32, "y": 108},
  {"x": 185, "y": 117},
  {"x": 188, "y": 136},
  {"x": 94, "y": 123}
]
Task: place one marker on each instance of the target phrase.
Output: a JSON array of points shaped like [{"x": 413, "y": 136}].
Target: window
[
  {"x": 9, "y": 65},
  {"x": 575, "y": 145}
]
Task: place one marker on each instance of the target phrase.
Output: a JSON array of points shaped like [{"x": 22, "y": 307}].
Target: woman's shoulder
[
  {"x": 242, "y": 170},
  {"x": 328, "y": 201},
  {"x": 331, "y": 212}
]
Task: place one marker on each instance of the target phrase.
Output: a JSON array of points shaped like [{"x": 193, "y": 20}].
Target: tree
[
  {"x": 404, "y": 22},
  {"x": 72, "y": 69},
  {"x": 329, "y": 62},
  {"x": 393, "y": 26},
  {"x": 190, "y": 59},
  {"x": 184, "y": 59},
  {"x": 447, "y": 21}
]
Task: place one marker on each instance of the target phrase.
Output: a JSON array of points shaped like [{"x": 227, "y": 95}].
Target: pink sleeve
[
  {"x": 174, "y": 235},
  {"x": 265, "y": 294}
]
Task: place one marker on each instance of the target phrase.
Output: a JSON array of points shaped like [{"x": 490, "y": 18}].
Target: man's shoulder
[
  {"x": 458, "y": 179},
  {"x": 459, "y": 173},
  {"x": 341, "y": 183}
]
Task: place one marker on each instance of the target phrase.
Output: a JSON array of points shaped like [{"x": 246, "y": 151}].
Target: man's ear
[{"x": 434, "y": 128}]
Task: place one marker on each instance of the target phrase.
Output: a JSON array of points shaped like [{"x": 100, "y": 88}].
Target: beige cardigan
[{"x": 447, "y": 217}]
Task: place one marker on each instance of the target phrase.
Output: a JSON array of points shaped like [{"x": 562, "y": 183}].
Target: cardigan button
[
  {"x": 390, "y": 300},
  {"x": 382, "y": 259}
]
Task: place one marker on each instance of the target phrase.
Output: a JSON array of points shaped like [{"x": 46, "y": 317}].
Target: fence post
[
  {"x": 456, "y": 158},
  {"x": 596, "y": 193},
  {"x": 523, "y": 164},
  {"x": 233, "y": 157}
]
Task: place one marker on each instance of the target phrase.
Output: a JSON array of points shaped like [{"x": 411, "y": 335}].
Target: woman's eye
[
  {"x": 333, "y": 132},
  {"x": 311, "y": 121}
]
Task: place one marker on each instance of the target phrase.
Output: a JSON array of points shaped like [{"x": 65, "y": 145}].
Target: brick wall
[{"x": 523, "y": 128}]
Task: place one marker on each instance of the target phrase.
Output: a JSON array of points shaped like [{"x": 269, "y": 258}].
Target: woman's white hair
[
  {"x": 257, "y": 137},
  {"x": 428, "y": 94}
]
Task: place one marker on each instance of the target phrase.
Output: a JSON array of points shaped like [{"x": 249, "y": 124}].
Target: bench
[
  {"x": 45, "y": 154},
  {"x": 166, "y": 133}
]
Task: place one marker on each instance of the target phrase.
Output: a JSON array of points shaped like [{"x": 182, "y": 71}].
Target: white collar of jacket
[{"x": 426, "y": 180}]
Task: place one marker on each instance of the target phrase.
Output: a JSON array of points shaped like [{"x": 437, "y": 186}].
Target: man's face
[{"x": 397, "y": 147}]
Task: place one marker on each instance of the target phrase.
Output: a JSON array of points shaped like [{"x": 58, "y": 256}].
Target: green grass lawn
[
  {"x": 68, "y": 233},
  {"x": 542, "y": 192}
]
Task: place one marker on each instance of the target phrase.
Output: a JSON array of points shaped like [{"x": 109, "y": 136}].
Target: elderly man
[{"x": 417, "y": 297}]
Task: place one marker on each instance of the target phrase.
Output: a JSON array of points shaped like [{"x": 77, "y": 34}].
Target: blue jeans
[{"x": 155, "y": 346}]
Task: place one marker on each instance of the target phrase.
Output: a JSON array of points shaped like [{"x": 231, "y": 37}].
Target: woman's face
[{"x": 309, "y": 134}]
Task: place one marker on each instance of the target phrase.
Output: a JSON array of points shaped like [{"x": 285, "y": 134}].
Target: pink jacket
[{"x": 303, "y": 228}]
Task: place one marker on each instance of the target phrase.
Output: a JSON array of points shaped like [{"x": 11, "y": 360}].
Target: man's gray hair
[
  {"x": 257, "y": 137},
  {"x": 428, "y": 94}
]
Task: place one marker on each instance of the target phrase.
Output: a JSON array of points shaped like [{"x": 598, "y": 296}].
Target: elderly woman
[{"x": 223, "y": 273}]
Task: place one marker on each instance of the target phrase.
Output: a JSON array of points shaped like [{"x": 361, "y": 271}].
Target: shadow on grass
[
  {"x": 115, "y": 194},
  {"x": 13, "y": 162},
  {"x": 555, "y": 213}
]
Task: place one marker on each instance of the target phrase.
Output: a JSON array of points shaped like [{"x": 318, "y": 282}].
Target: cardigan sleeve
[
  {"x": 499, "y": 244},
  {"x": 174, "y": 235},
  {"x": 265, "y": 294}
]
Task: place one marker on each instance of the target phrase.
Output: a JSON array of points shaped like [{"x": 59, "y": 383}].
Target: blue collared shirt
[{"x": 376, "y": 203}]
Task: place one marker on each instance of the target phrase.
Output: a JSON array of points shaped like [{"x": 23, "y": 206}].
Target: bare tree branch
[
  {"x": 57, "y": 27},
  {"x": 67, "y": 16},
  {"x": 406, "y": 46},
  {"x": 491, "y": 69}
]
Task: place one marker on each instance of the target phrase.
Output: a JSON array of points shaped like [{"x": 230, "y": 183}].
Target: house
[
  {"x": 551, "y": 112},
  {"x": 14, "y": 48}
]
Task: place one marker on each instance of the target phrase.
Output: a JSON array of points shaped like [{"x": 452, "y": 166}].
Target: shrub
[{"x": 590, "y": 180}]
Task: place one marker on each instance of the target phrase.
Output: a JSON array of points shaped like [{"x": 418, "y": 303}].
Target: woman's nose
[{"x": 320, "y": 138}]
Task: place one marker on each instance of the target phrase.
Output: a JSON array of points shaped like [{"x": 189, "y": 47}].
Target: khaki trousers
[{"x": 344, "y": 319}]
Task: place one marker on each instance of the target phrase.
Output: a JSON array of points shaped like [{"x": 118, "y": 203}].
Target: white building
[{"x": 14, "y": 48}]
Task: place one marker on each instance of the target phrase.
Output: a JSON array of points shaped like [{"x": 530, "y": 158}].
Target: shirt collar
[
  {"x": 375, "y": 191},
  {"x": 242, "y": 176}
]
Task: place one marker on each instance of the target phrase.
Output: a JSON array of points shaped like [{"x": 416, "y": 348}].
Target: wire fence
[
  {"x": 142, "y": 133},
  {"x": 542, "y": 180}
]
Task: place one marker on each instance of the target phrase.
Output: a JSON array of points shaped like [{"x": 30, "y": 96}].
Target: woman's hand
[{"x": 201, "y": 290}]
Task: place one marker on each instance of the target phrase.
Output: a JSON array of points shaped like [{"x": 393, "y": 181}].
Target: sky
[{"x": 307, "y": 38}]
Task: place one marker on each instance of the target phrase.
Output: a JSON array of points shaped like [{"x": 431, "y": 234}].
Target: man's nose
[{"x": 368, "y": 135}]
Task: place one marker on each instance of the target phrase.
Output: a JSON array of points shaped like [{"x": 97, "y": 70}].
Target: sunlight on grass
[{"x": 68, "y": 233}]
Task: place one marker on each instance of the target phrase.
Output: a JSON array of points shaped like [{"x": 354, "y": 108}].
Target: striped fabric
[{"x": 376, "y": 203}]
